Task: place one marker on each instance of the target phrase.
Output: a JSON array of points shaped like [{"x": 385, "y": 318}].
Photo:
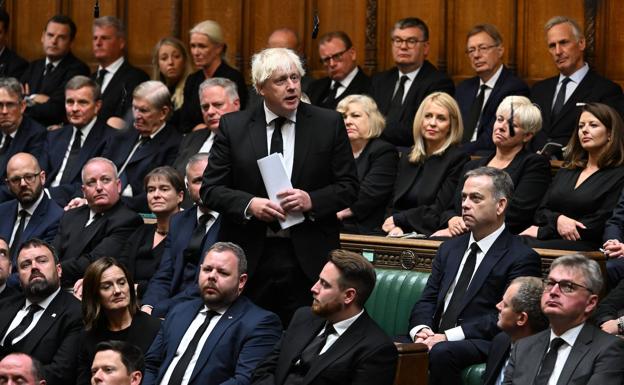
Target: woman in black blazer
[
  {"x": 429, "y": 172},
  {"x": 376, "y": 162},
  {"x": 529, "y": 172}
]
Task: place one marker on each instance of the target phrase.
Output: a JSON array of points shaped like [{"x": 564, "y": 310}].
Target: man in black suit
[
  {"x": 116, "y": 77},
  {"x": 335, "y": 341},
  {"x": 11, "y": 64},
  {"x": 46, "y": 322},
  {"x": 456, "y": 315},
  {"x": 571, "y": 351},
  {"x": 96, "y": 229},
  {"x": 576, "y": 83},
  {"x": 344, "y": 76},
  {"x": 6, "y": 267},
  {"x": 479, "y": 97},
  {"x": 399, "y": 91},
  {"x": 67, "y": 149},
  {"x": 318, "y": 162},
  {"x": 45, "y": 79},
  {"x": 519, "y": 316}
]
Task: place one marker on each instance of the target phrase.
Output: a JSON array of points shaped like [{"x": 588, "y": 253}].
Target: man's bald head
[
  {"x": 284, "y": 38},
  {"x": 25, "y": 178},
  {"x": 20, "y": 368}
]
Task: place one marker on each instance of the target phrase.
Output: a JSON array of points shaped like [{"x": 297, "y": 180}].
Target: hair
[
  {"x": 99, "y": 159},
  {"x": 528, "y": 114},
  {"x": 588, "y": 267},
  {"x": 235, "y": 249},
  {"x": 576, "y": 28},
  {"x": 155, "y": 92},
  {"x": 199, "y": 157},
  {"x": 36, "y": 368},
  {"x": 340, "y": 35},
  {"x": 269, "y": 60},
  {"x": 231, "y": 89},
  {"x": 413, "y": 22},
  {"x": 210, "y": 28},
  {"x": 92, "y": 313},
  {"x": 376, "y": 121},
  {"x": 355, "y": 272},
  {"x": 418, "y": 153},
  {"x": 178, "y": 93},
  {"x": 528, "y": 299},
  {"x": 169, "y": 173},
  {"x": 5, "y": 19},
  {"x": 131, "y": 356},
  {"x": 13, "y": 87},
  {"x": 502, "y": 185},
  {"x": 111, "y": 21},
  {"x": 490, "y": 29},
  {"x": 613, "y": 153},
  {"x": 36, "y": 242},
  {"x": 80, "y": 81},
  {"x": 65, "y": 20}
]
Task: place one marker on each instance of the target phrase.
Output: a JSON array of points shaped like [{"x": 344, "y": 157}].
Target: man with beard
[
  {"x": 336, "y": 342},
  {"x": 219, "y": 338},
  {"x": 46, "y": 322}
]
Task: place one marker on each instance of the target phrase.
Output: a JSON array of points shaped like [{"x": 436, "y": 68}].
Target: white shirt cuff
[
  {"x": 416, "y": 329},
  {"x": 455, "y": 334}
]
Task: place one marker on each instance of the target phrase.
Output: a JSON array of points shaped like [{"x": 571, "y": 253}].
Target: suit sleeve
[
  {"x": 424, "y": 310},
  {"x": 611, "y": 305},
  {"x": 378, "y": 367},
  {"x": 608, "y": 369},
  {"x": 62, "y": 369},
  {"x": 155, "y": 356},
  {"x": 614, "y": 228}
]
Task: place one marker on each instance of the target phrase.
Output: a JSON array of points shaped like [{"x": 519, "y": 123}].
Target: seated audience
[
  {"x": 218, "y": 338},
  {"x": 582, "y": 196},
  {"x": 335, "y": 341},
  {"x": 428, "y": 174},
  {"x": 456, "y": 316},
  {"x": 152, "y": 143},
  {"x": 117, "y": 363},
  {"x": 572, "y": 350},
  {"x": 208, "y": 51},
  {"x": 45, "y": 322},
  {"x": 171, "y": 64},
  {"x": 529, "y": 172},
  {"x": 144, "y": 249},
  {"x": 11, "y": 64},
  {"x": 6, "y": 267},
  {"x": 613, "y": 245},
  {"x": 609, "y": 314},
  {"x": 110, "y": 311},
  {"x": 376, "y": 161},
  {"x": 98, "y": 228},
  {"x": 20, "y": 368}
]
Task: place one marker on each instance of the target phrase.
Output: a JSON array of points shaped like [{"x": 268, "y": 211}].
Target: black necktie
[
  {"x": 74, "y": 152},
  {"x": 192, "y": 251},
  {"x": 48, "y": 69},
  {"x": 23, "y": 325},
  {"x": 475, "y": 114},
  {"x": 183, "y": 363},
  {"x": 330, "y": 100},
  {"x": 315, "y": 346},
  {"x": 6, "y": 144},
  {"x": 20, "y": 229},
  {"x": 100, "y": 77},
  {"x": 560, "y": 99},
  {"x": 449, "y": 318},
  {"x": 397, "y": 99},
  {"x": 95, "y": 218},
  {"x": 548, "y": 363},
  {"x": 277, "y": 142}
]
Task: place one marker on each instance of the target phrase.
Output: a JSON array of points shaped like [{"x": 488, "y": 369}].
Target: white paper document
[{"x": 275, "y": 180}]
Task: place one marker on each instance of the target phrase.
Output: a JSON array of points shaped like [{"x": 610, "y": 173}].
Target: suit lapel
[
  {"x": 387, "y": 89},
  {"x": 579, "y": 350},
  {"x": 258, "y": 132},
  {"x": 37, "y": 219},
  {"x": 52, "y": 313},
  {"x": 292, "y": 347},
  {"x": 8, "y": 313},
  {"x": 183, "y": 321},
  {"x": 536, "y": 353},
  {"x": 451, "y": 269},
  {"x": 84, "y": 235},
  {"x": 303, "y": 137},
  {"x": 6, "y": 225}
]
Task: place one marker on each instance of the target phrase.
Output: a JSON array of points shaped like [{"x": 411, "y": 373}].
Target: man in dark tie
[
  {"x": 344, "y": 76},
  {"x": 571, "y": 351},
  {"x": 218, "y": 339},
  {"x": 11, "y": 64},
  {"x": 456, "y": 316},
  {"x": 117, "y": 363},
  {"x": 46, "y": 322},
  {"x": 20, "y": 368}
]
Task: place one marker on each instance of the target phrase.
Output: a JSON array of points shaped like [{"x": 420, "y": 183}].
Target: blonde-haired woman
[{"x": 429, "y": 172}]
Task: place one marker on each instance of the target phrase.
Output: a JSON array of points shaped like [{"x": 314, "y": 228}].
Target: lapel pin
[
  {"x": 53, "y": 315},
  {"x": 229, "y": 317}
]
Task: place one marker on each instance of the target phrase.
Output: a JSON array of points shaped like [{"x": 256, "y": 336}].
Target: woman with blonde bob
[
  {"x": 376, "y": 162},
  {"x": 429, "y": 172}
]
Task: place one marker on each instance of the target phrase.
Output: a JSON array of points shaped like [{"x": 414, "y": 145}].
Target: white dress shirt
[{"x": 22, "y": 313}]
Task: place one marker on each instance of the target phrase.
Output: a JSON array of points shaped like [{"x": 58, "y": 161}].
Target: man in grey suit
[{"x": 571, "y": 351}]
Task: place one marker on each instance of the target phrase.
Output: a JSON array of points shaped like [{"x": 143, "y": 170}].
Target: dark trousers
[{"x": 447, "y": 359}]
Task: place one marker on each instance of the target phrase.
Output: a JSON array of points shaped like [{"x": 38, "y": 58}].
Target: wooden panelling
[
  {"x": 610, "y": 41},
  {"x": 28, "y": 19}
]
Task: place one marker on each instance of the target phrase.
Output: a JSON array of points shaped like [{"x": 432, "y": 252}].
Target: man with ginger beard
[{"x": 45, "y": 322}]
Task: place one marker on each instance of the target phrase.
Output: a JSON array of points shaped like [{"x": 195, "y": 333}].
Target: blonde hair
[
  {"x": 376, "y": 121},
  {"x": 178, "y": 94},
  {"x": 528, "y": 114}
]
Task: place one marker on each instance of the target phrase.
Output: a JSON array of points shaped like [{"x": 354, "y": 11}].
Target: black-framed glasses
[
  {"x": 481, "y": 48},
  {"x": 335, "y": 57},
  {"x": 410, "y": 42},
  {"x": 28, "y": 178},
  {"x": 566, "y": 287}
]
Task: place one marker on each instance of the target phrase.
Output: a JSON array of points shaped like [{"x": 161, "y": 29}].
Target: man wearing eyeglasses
[
  {"x": 571, "y": 351},
  {"x": 400, "y": 90},
  {"x": 479, "y": 97},
  {"x": 344, "y": 77}
]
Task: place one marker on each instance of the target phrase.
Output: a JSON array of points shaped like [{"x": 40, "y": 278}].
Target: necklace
[{"x": 162, "y": 232}]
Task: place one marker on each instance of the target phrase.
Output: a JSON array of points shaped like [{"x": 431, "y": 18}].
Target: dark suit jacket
[
  {"x": 7, "y": 294},
  {"x": 159, "y": 151},
  {"x": 595, "y": 359},
  {"x": 593, "y": 88},
  {"x": 323, "y": 166},
  {"x": 78, "y": 245},
  {"x": 166, "y": 289},
  {"x": 363, "y": 355},
  {"x": 498, "y": 354},
  {"x": 11, "y": 64},
  {"x": 244, "y": 335},
  {"x": 611, "y": 306},
  {"x": 318, "y": 90},
  {"x": 466, "y": 93},
  {"x": 189, "y": 146},
  {"x": 117, "y": 97},
  {"x": 614, "y": 228},
  {"x": 55, "y": 339},
  {"x": 399, "y": 128},
  {"x": 507, "y": 259},
  {"x": 53, "y": 85},
  {"x": 54, "y": 150}
]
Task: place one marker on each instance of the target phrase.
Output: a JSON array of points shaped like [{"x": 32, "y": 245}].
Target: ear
[
  {"x": 349, "y": 296},
  {"x": 118, "y": 186},
  {"x": 501, "y": 51},
  {"x": 582, "y": 44},
  {"x": 523, "y": 319},
  {"x": 592, "y": 302},
  {"x": 501, "y": 205},
  {"x": 98, "y": 106},
  {"x": 527, "y": 137},
  {"x": 180, "y": 197},
  {"x": 426, "y": 48},
  {"x": 42, "y": 177},
  {"x": 242, "y": 280},
  {"x": 59, "y": 270},
  {"x": 136, "y": 377}
]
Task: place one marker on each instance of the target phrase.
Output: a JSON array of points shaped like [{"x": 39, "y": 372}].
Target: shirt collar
[
  {"x": 214, "y": 214},
  {"x": 570, "y": 335},
  {"x": 411, "y": 75},
  {"x": 54, "y": 63},
  {"x": 153, "y": 134},
  {"x": 30, "y": 210},
  {"x": 348, "y": 79},
  {"x": 86, "y": 129},
  {"x": 114, "y": 66},
  {"x": 343, "y": 325},
  {"x": 271, "y": 116},
  {"x": 487, "y": 242},
  {"x": 46, "y": 302},
  {"x": 220, "y": 310},
  {"x": 577, "y": 76},
  {"x": 492, "y": 82}
]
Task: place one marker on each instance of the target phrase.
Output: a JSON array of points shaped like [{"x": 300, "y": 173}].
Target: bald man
[{"x": 20, "y": 368}]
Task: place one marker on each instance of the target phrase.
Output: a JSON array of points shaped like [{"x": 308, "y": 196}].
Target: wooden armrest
[{"x": 407, "y": 348}]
